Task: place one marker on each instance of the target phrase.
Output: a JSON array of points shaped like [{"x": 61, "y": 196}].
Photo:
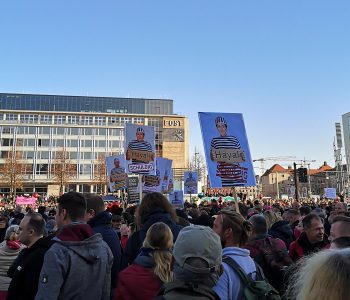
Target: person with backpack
[
  {"x": 271, "y": 254},
  {"x": 196, "y": 265},
  {"x": 242, "y": 278}
]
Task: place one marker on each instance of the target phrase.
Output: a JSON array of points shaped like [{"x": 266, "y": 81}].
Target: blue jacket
[
  {"x": 229, "y": 286},
  {"x": 101, "y": 223},
  {"x": 135, "y": 242}
]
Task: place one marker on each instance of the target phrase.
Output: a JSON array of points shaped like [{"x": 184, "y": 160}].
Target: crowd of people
[{"x": 79, "y": 248}]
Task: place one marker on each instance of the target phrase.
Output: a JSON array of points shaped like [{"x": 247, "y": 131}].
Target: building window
[
  {"x": 100, "y": 121},
  {"x": 60, "y": 119},
  {"x": 45, "y": 119},
  {"x": 73, "y": 119}
]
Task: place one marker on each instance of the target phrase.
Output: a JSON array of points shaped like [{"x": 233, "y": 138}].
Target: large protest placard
[
  {"x": 190, "y": 182},
  {"x": 176, "y": 199},
  {"x": 116, "y": 173},
  {"x": 226, "y": 150},
  {"x": 139, "y": 149},
  {"x": 153, "y": 183}
]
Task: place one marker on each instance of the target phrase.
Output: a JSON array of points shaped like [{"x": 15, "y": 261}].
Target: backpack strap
[{"x": 237, "y": 268}]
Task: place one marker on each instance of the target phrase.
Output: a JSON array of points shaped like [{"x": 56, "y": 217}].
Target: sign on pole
[
  {"x": 133, "y": 194},
  {"x": 190, "y": 182},
  {"x": 226, "y": 150},
  {"x": 139, "y": 149},
  {"x": 153, "y": 183},
  {"x": 116, "y": 172},
  {"x": 176, "y": 199},
  {"x": 330, "y": 193}
]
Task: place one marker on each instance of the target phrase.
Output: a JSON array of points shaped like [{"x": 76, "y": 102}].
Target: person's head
[
  {"x": 116, "y": 221},
  {"x": 313, "y": 228},
  {"x": 151, "y": 202},
  {"x": 12, "y": 233},
  {"x": 221, "y": 125},
  {"x": 41, "y": 209},
  {"x": 31, "y": 228},
  {"x": 341, "y": 242},
  {"x": 340, "y": 227},
  {"x": 259, "y": 225},
  {"x": 340, "y": 207},
  {"x": 71, "y": 208},
  {"x": 159, "y": 238},
  {"x": 197, "y": 255},
  {"x": 295, "y": 205},
  {"x": 292, "y": 216},
  {"x": 94, "y": 205},
  {"x": 324, "y": 275},
  {"x": 271, "y": 218},
  {"x": 116, "y": 162},
  {"x": 233, "y": 229},
  {"x": 140, "y": 134},
  {"x": 304, "y": 210},
  {"x": 3, "y": 222}
]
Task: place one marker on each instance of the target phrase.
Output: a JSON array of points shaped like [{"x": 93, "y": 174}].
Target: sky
[{"x": 284, "y": 64}]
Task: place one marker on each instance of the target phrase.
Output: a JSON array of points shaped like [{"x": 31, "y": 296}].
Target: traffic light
[{"x": 302, "y": 174}]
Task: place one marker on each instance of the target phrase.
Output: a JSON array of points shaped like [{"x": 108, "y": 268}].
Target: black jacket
[
  {"x": 282, "y": 231},
  {"x": 101, "y": 223},
  {"x": 25, "y": 271},
  {"x": 135, "y": 242}
]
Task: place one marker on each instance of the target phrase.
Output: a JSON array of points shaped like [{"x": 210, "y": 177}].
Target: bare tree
[
  {"x": 62, "y": 169},
  {"x": 12, "y": 172},
  {"x": 198, "y": 164},
  {"x": 100, "y": 173}
]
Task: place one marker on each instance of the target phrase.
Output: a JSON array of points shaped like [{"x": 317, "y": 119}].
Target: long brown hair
[
  {"x": 149, "y": 203},
  {"x": 241, "y": 228},
  {"x": 160, "y": 238}
]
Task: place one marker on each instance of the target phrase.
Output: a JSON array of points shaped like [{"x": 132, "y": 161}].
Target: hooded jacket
[
  {"x": 282, "y": 231},
  {"x": 229, "y": 286},
  {"x": 141, "y": 271},
  {"x": 101, "y": 223},
  {"x": 77, "y": 266},
  {"x": 25, "y": 270},
  {"x": 134, "y": 243}
]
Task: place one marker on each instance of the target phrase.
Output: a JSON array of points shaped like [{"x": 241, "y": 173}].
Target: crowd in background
[{"x": 80, "y": 247}]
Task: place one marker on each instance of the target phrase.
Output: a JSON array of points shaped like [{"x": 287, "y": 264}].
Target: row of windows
[
  {"x": 62, "y": 131},
  {"x": 74, "y": 120}
]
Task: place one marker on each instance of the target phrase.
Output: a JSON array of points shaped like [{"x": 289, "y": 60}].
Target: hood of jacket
[
  {"x": 102, "y": 218},
  {"x": 282, "y": 227},
  {"x": 81, "y": 239},
  {"x": 157, "y": 215}
]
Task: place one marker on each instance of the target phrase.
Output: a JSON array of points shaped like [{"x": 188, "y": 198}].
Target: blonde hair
[
  {"x": 271, "y": 218},
  {"x": 322, "y": 276},
  {"x": 160, "y": 238}
]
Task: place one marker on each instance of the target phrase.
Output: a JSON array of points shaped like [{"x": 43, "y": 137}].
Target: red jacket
[
  {"x": 302, "y": 247},
  {"x": 137, "y": 283}
]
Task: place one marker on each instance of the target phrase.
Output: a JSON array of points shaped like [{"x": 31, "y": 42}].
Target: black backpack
[{"x": 258, "y": 289}]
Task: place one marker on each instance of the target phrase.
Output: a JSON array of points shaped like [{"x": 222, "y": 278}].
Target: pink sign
[{"x": 20, "y": 200}]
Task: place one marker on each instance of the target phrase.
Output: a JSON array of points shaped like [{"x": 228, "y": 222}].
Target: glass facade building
[{"x": 38, "y": 126}]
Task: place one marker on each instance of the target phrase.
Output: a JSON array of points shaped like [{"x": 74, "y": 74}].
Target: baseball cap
[{"x": 198, "y": 242}]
